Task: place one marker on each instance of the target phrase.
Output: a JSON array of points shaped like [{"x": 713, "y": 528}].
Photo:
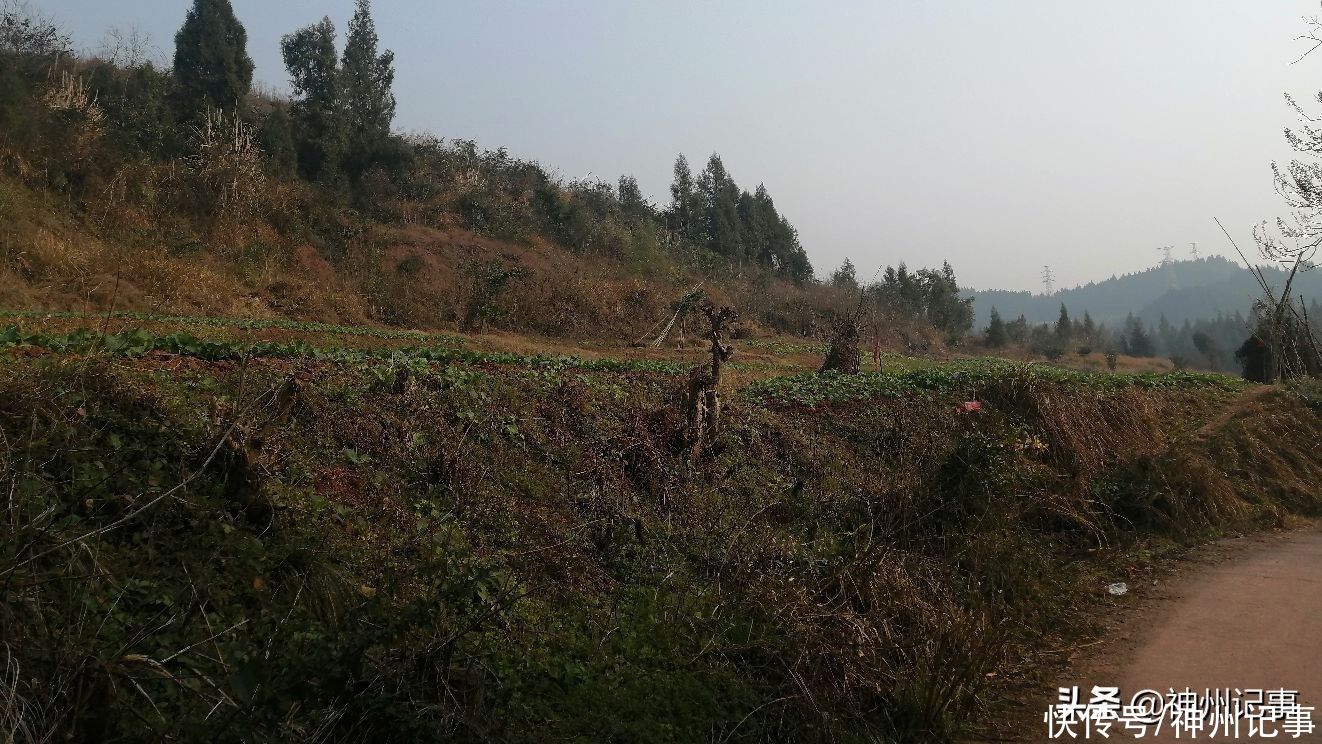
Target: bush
[
  {"x": 410, "y": 265},
  {"x": 489, "y": 281}
]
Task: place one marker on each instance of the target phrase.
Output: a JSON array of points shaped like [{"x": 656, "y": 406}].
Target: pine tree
[
  {"x": 792, "y": 259},
  {"x": 212, "y": 68},
  {"x": 762, "y": 227},
  {"x": 368, "y": 104},
  {"x": 1137, "y": 341},
  {"x": 750, "y": 226},
  {"x": 1063, "y": 327},
  {"x": 309, "y": 55},
  {"x": 996, "y": 335},
  {"x": 685, "y": 214},
  {"x": 845, "y": 277},
  {"x": 721, "y": 219}
]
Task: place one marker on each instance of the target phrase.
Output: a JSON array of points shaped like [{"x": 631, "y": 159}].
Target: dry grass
[{"x": 867, "y": 565}]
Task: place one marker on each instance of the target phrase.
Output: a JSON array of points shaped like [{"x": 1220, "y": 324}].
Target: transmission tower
[
  {"x": 1166, "y": 251},
  {"x": 1193, "y": 250},
  {"x": 1048, "y": 280}
]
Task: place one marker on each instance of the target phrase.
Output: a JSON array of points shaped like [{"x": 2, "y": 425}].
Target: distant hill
[{"x": 1181, "y": 290}]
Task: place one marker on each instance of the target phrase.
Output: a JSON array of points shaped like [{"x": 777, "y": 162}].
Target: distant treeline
[
  {"x": 930, "y": 295},
  {"x": 1206, "y": 343},
  {"x": 1180, "y": 290}
]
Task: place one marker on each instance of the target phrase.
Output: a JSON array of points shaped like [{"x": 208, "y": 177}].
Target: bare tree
[
  {"x": 1313, "y": 36},
  {"x": 131, "y": 48},
  {"x": 1285, "y": 343}
]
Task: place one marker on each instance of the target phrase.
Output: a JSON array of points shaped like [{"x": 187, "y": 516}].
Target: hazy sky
[{"x": 999, "y": 135}]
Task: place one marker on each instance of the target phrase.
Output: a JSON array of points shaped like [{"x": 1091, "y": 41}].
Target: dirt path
[
  {"x": 1248, "y": 616},
  {"x": 1240, "y": 403}
]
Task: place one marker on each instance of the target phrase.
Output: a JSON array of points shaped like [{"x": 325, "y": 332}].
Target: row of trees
[
  {"x": 1065, "y": 331},
  {"x": 928, "y": 295},
  {"x": 134, "y": 123},
  {"x": 712, "y": 211},
  {"x": 339, "y": 125},
  {"x": 342, "y": 110},
  {"x": 343, "y": 105},
  {"x": 931, "y": 294}
]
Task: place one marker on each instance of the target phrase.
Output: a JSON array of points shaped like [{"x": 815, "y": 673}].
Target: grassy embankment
[{"x": 294, "y": 532}]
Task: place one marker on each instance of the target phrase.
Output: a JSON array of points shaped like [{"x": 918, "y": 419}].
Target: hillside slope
[{"x": 121, "y": 188}]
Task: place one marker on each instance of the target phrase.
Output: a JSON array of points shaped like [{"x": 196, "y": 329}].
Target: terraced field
[{"x": 240, "y": 530}]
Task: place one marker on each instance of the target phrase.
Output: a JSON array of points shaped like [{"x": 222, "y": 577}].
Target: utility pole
[{"x": 1048, "y": 280}]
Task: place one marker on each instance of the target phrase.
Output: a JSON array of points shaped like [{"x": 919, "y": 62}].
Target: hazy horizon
[{"x": 998, "y": 138}]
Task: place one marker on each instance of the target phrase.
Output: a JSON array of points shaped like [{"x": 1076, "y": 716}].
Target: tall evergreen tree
[
  {"x": 750, "y": 226},
  {"x": 762, "y": 226},
  {"x": 212, "y": 68},
  {"x": 792, "y": 259},
  {"x": 685, "y": 214},
  {"x": 944, "y": 307},
  {"x": 996, "y": 335},
  {"x": 1137, "y": 341},
  {"x": 368, "y": 103},
  {"x": 1063, "y": 328},
  {"x": 721, "y": 201},
  {"x": 309, "y": 55}
]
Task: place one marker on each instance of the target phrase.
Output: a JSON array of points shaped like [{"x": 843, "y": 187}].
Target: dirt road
[{"x": 1251, "y": 621}]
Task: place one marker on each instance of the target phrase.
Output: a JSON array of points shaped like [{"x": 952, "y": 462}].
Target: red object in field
[{"x": 971, "y": 406}]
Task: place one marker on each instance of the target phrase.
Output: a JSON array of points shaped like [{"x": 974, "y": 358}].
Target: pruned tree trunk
[{"x": 701, "y": 399}]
